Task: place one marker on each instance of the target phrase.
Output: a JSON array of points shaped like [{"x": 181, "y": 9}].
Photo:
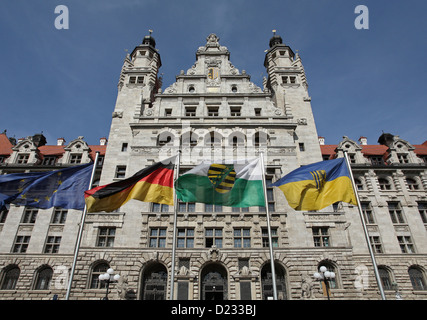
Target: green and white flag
[{"x": 233, "y": 183}]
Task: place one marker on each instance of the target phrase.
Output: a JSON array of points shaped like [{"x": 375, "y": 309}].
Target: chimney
[
  {"x": 321, "y": 141},
  {"x": 363, "y": 141},
  {"x": 103, "y": 141},
  {"x": 60, "y": 142}
]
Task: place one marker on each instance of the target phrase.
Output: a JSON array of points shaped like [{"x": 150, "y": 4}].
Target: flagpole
[
  {"x": 365, "y": 229},
  {"x": 76, "y": 251},
  {"x": 270, "y": 241},
  {"x": 175, "y": 207}
]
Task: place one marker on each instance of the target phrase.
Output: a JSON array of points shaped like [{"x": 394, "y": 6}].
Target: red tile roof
[
  {"x": 372, "y": 149},
  {"x": 47, "y": 150},
  {"x": 5, "y": 145}
]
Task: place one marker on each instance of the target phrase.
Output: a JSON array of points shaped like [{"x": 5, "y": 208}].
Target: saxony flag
[
  {"x": 152, "y": 184},
  {"x": 234, "y": 183}
]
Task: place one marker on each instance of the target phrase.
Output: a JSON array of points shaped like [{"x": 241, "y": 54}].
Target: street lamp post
[
  {"x": 325, "y": 276},
  {"x": 108, "y": 277}
]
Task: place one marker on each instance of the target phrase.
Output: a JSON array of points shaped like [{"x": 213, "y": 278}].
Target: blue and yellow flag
[
  {"x": 61, "y": 188},
  {"x": 318, "y": 185}
]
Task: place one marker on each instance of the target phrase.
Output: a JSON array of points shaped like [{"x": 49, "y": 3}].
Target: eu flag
[{"x": 61, "y": 188}]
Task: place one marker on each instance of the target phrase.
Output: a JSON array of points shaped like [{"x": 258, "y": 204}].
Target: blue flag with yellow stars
[{"x": 61, "y": 188}]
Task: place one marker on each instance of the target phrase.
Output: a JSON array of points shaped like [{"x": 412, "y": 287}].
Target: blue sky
[{"x": 362, "y": 82}]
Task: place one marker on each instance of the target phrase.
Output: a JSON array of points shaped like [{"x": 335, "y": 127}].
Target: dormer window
[
  {"x": 76, "y": 158},
  {"x": 403, "y": 158},
  {"x": 49, "y": 160},
  {"x": 23, "y": 158}
]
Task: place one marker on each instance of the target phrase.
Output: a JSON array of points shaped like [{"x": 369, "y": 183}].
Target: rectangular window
[
  {"x": 140, "y": 80},
  {"x": 242, "y": 237},
  {"x": 106, "y": 236},
  {"x": 190, "y": 111},
  {"x": 301, "y": 146},
  {"x": 157, "y": 238},
  {"x": 395, "y": 212},
  {"x": 321, "y": 237},
  {"x": 21, "y": 244},
  {"x": 120, "y": 172},
  {"x": 422, "y": 209},
  {"x": 376, "y": 244},
  {"x": 406, "y": 244},
  {"x": 213, "y": 208},
  {"x": 367, "y": 212},
  {"x": 49, "y": 160},
  {"x": 376, "y": 160},
  {"x": 257, "y": 112},
  {"x": 157, "y": 207},
  {"x": 52, "y": 244},
  {"x": 76, "y": 158},
  {"x": 30, "y": 215},
  {"x": 59, "y": 216},
  {"x": 274, "y": 238},
  {"x": 124, "y": 147},
  {"x": 168, "y": 112},
  {"x": 403, "y": 158},
  {"x": 23, "y": 158},
  {"x": 185, "y": 238},
  {"x": 235, "y": 111},
  {"x": 187, "y": 207},
  {"x": 213, "y": 111},
  {"x": 3, "y": 214},
  {"x": 213, "y": 237},
  {"x": 132, "y": 79}
]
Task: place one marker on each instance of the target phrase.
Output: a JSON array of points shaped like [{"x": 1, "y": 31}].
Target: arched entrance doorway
[
  {"x": 154, "y": 282},
  {"x": 267, "y": 282},
  {"x": 214, "y": 282}
]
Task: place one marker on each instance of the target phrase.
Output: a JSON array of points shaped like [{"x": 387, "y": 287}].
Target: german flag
[{"x": 152, "y": 184}]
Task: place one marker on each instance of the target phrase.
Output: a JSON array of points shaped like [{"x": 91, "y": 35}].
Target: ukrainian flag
[{"x": 318, "y": 185}]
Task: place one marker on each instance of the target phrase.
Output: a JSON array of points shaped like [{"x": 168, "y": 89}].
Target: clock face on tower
[{"x": 213, "y": 73}]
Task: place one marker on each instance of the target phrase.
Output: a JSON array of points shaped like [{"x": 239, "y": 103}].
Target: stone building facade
[{"x": 212, "y": 112}]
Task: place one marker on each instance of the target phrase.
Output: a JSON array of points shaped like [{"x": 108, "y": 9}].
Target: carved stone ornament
[
  {"x": 214, "y": 253},
  {"x": 118, "y": 114},
  {"x": 212, "y": 41}
]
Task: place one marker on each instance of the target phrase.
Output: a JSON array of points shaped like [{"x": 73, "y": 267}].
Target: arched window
[
  {"x": 412, "y": 184},
  {"x": 154, "y": 282},
  {"x": 189, "y": 139},
  {"x": 214, "y": 282},
  {"x": 213, "y": 139},
  {"x": 43, "y": 278},
  {"x": 385, "y": 277},
  {"x": 98, "y": 269},
  {"x": 237, "y": 140},
  {"x": 333, "y": 283},
  {"x": 267, "y": 282},
  {"x": 261, "y": 139},
  {"x": 10, "y": 277},
  {"x": 165, "y": 138},
  {"x": 384, "y": 184},
  {"x": 417, "y": 278}
]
